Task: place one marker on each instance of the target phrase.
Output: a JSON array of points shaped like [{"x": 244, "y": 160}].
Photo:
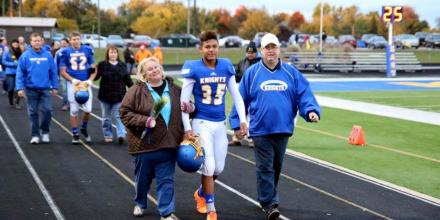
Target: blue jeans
[
  {"x": 108, "y": 109},
  {"x": 269, "y": 153},
  {"x": 63, "y": 86},
  {"x": 129, "y": 68},
  {"x": 160, "y": 165},
  {"x": 39, "y": 99}
]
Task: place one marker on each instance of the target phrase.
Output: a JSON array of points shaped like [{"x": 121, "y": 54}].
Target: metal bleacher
[{"x": 350, "y": 61}]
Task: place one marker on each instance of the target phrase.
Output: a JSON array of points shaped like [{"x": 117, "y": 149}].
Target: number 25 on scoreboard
[{"x": 392, "y": 14}]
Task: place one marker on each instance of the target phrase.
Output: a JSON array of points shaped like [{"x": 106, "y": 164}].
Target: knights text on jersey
[
  {"x": 77, "y": 61},
  {"x": 210, "y": 87}
]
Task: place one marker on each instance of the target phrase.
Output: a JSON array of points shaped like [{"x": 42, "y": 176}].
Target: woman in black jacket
[{"x": 112, "y": 88}]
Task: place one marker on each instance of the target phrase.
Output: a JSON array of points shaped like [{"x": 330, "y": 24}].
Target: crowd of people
[{"x": 267, "y": 95}]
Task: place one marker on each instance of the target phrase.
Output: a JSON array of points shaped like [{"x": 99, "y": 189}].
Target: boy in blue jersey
[
  {"x": 78, "y": 67},
  {"x": 37, "y": 78},
  {"x": 273, "y": 92},
  {"x": 207, "y": 79}
]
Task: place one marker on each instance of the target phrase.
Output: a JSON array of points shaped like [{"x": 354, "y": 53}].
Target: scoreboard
[{"x": 392, "y": 14}]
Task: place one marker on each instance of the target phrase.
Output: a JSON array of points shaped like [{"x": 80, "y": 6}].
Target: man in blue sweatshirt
[
  {"x": 37, "y": 78},
  {"x": 273, "y": 92}
]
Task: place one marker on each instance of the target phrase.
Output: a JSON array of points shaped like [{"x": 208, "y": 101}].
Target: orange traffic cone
[{"x": 357, "y": 136}]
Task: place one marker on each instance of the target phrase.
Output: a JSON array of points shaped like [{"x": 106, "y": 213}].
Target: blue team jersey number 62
[{"x": 78, "y": 62}]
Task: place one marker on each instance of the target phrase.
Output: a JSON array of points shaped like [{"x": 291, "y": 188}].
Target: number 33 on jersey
[
  {"x": 77, "y": 61},
  {"x": 210, "y": 87}
]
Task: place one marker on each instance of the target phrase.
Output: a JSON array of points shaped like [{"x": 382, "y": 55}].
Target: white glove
[
  {"x": 89, "y": 82},
  {"x": 75, "y": 82}
]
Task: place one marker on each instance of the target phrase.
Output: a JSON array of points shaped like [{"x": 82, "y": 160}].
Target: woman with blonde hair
[{"x": 154, "y": 155}]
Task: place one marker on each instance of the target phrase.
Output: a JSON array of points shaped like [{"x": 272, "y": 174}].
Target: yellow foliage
[
  {"x": 258, "y": 21},
  {"x": 160, "y": 19}
]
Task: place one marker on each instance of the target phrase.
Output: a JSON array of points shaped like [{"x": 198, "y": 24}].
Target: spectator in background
[
  {"x": 3, "y": 48},
  {"x": 142, "y": 53},
  {"x": 250, "y": 59},
  {"x": 10, "y": 62},
  {"x": 158, "y": 54},
  {"x": 129, "y": 58},
  {"x": 22, "y": 43},
  {"x": 64, "y": 43},
  {"x": 37, "y": 79},
  {"x": 112, "y": 88},
  {"x": 55, "y": 47}
]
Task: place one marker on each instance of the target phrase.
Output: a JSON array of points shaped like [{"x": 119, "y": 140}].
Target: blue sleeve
[
  {"x": 19, "y": 78},
  {"x": 58, "y": 56},
  {"x": 63, "y": 59},
  {"x": 90, "y": 58},
  {"x": 306, "y": 100},
  {"x": 243, "y": 88},
  {"x": 7, "y": 60},
  {"x": 53, "y": 73},
  {"x": 187, "y": 71}
]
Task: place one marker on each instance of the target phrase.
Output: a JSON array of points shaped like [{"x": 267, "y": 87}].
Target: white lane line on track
[
  {"x": 249, "y": 199},
  {"x": 103, "y": 159},
  {"x": 318, "y": 190},
  {"x": 56, "y": 211},
  {"x": 399, "y": 189}
]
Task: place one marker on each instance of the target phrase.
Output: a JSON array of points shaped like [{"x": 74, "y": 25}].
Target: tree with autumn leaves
[{"x": 161, "y": 19}]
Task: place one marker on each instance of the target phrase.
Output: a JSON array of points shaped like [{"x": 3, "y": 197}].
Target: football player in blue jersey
[
  {"x": 207, "y": 79},
  {"x": 273, "y": 92},
  {"x": 78, "y": 68}
]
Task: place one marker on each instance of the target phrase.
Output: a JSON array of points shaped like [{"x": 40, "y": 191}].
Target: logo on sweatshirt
[
  {"x": 273, "y": 85},
  {"x": 38, "y": 59}
]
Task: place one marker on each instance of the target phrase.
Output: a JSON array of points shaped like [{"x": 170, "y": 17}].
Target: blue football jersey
[
  {"x": 77, "y": 61},
  {"x": 210, "y": 87}
]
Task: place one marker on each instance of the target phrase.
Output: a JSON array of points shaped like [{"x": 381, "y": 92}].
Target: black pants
[{"x": 10, "y": 88}]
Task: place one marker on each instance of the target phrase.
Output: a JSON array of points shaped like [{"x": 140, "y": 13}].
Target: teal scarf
[{"x": 166, "y": 111}]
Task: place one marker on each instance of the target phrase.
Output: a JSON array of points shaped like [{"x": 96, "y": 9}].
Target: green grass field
[
  {"x": 427, "y": 100},
  {"x": 415, "y": 165},
  {"x": 327, "y": 141}
]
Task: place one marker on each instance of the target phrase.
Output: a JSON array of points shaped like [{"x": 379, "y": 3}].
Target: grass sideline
[
  {"x": 179, "y": 55},
  {"x": 427, "y": 100}
]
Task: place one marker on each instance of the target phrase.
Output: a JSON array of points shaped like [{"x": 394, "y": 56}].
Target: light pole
[
  {"x": 188, "y": 17},
  {"x": 3, "y": 8},
  {"x": 99, "y": 26},
  {"x": 320, "y": 29}
]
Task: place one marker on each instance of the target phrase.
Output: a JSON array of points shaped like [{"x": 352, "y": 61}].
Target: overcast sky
[{"x": 428, "y": 10}]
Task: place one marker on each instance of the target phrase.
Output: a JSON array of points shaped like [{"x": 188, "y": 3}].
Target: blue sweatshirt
[
  {"x": 273, "y": 98},
  {"x": 10, "y": 63},
  {"x": 36, "y": 70}
]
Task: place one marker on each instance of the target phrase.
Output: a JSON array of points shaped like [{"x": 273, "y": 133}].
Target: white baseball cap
[{"x": 269, "y": 39}]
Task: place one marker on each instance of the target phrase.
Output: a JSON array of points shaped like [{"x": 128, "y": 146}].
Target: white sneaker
[
  {"x": 45, "y": 138},
  {"x": 138, "y": 211},
  {"x": 35, "y": 140},
  {"x": 171, "y": 217}
]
